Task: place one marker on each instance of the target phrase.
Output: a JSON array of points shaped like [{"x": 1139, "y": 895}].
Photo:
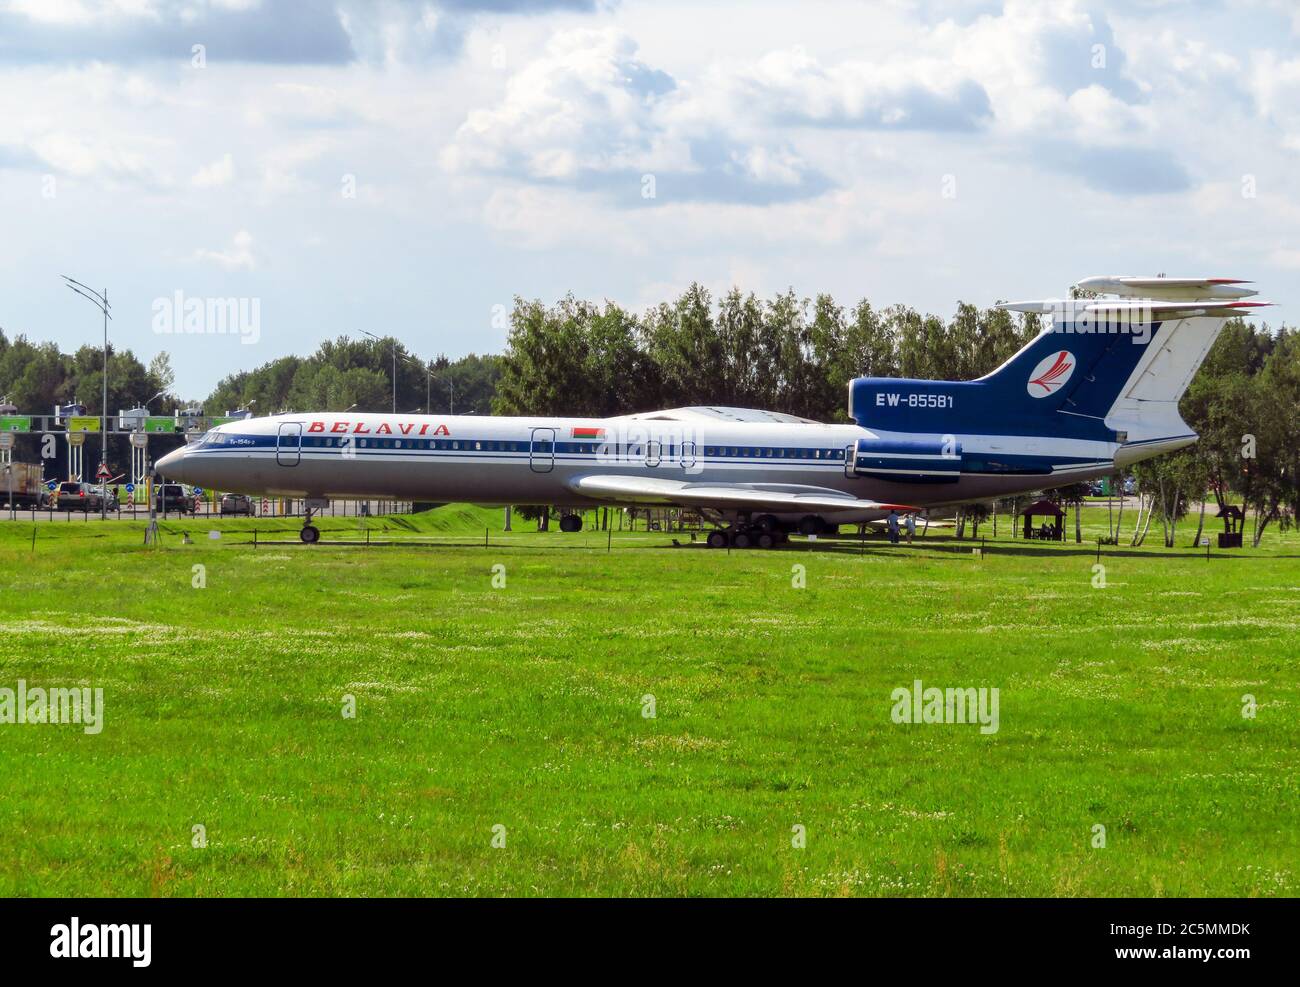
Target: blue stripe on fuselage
[{"x": 971, "y": 463}]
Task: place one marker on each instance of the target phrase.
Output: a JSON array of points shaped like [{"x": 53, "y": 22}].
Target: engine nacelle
[{"x": 907, "y": 461}]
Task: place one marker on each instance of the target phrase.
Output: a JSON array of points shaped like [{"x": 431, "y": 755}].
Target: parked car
[
  {"x": 237, "y": 504},
  {"x": 75, "y": 496},
  {"x": 169, "y": 497},
  {"x": 110, "y": 496}
]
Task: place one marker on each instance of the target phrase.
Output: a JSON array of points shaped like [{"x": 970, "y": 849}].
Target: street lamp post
[
  {"x": 394, "y": 348},
  {"x": 100, "y": 301},
  {"x": 428, "y": 383}
]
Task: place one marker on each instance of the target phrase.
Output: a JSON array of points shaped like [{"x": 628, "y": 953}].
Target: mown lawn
[{"x": 521, "y": 707}]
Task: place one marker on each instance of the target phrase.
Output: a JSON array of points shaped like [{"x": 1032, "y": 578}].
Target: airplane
[{"x": 1097, "y": 390}]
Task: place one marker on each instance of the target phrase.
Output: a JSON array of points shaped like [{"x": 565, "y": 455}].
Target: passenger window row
[{"x": 573, "y": 448}]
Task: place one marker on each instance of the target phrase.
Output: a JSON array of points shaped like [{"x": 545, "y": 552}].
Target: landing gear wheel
[
  {"x": 571, "y": 522},
  {"x": 310, "y": 534},
  {"x": 741, "y": 539},
  {"x": 810, "y": 525},
  {"x": 766, "y": 540},
  {"x": 767, "y": 523},
  {"x": 717, "y": 539}
]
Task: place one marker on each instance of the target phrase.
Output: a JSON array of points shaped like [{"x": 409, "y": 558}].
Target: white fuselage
[{"x": 500, "y": 460}]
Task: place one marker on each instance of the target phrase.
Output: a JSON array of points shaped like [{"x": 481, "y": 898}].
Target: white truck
[{"x": 23, "y": 484}]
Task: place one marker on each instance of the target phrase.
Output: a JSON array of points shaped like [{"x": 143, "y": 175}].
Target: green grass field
[{"x": 522, "y": 707}]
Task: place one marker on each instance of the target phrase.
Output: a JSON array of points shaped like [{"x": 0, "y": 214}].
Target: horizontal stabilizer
[
  {"x": 1175, "y": 289},
  {"x": 1143, "y": 311}
]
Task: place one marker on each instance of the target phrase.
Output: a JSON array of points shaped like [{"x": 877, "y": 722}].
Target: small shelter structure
[
  {"x": 1052, "y": 528},
  {"x": 1233, "y": 522}
]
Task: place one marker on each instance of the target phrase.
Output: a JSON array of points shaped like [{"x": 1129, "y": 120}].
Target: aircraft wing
[{"x": 782, "y": 498}]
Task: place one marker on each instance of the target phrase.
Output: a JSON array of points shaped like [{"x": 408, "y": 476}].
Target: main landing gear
[
  {"x": 571, "y": 522},
  {"x": 763, "y": 532}
]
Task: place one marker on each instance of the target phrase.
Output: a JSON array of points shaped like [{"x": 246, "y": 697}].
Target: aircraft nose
[{"x": 170, "y": 465}]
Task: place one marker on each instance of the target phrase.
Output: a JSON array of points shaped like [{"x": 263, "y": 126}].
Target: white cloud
[
  {"x": 219, "y": 172},
  {"x": 587, "y": 104},
  {"x": 589, "y": 111},
  {"x": 1275, "y": 87},
  {"x": 238, "y": 257},
  {"x": 282, "y": 165},
  {"x": 792, "y": 86},
  {"x": 91, "y": 157},
  {"x": 73, "y": 12},
  {"x": 790, "y": 144}
]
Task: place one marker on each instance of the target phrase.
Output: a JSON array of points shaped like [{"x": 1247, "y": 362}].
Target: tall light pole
[
  {"x": 394, "y": 345},
  {"x": 428, "y": 381},
  {"x": 429, "y": 377},
  {"x": 100, "y": 301}
]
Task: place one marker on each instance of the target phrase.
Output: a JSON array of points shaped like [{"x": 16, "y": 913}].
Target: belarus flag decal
[{"x": 588, "y": 433}]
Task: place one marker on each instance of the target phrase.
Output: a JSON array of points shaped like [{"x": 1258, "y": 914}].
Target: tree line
[
  {"x": 357, "y": 374},
  {"x": 344, "y": 373},
  {"x": 37, "y": 377},
  {"x": 1245, "y": 405},
  {"x": 797, "y": 355},
  {"x": 785, "y": 353}
]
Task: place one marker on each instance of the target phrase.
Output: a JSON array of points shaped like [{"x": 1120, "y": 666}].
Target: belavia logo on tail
[{"x": 1051, "y": 372}]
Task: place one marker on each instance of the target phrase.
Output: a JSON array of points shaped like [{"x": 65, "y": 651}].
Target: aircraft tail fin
[{"x": 1105, "y": 369}]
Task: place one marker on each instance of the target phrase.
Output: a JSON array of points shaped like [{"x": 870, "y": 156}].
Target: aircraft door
[
  {"x": 850, "y": 460},
  {"x": 541, "y": 451},
  {"x": 288, "y": 444},
  {"x": 653, "y": 452},
  {"x": 688, "y": 455}
]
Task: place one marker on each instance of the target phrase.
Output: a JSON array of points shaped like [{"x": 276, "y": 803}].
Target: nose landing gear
[{"x": 310, "y": 534}]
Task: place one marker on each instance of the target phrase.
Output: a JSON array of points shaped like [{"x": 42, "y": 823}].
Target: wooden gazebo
[{"x": 1053, "y": 530}]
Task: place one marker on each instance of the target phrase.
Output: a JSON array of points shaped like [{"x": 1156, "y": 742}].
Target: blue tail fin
[
  {"x": 1109, "y": 370},
  {"x": 1061, "y": 383}
]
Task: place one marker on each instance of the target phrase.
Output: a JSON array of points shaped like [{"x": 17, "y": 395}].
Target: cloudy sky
[{"x": 408, "y": 167}]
